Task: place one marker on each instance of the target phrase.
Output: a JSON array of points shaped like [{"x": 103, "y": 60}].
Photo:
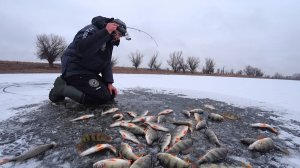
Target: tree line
[{"x": 50, "y": 47}]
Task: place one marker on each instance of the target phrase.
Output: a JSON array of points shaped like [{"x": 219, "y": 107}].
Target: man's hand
[
  {"x": 112, "y": 89},
  {"x": 110, "y": 27}
]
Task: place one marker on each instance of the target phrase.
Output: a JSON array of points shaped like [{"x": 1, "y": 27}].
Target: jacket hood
[{"x": 100, "y": 21}]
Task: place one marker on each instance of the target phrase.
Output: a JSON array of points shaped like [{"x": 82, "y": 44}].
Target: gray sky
[{"x": 235, "y": 33}]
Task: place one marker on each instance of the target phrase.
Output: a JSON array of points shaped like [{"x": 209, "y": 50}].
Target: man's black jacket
[{"x": 90, "y": 52}]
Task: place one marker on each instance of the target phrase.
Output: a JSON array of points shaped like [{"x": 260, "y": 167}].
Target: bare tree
[
  {"x": 209, "y": 66},
  {"x": 252, "y": 71},
  {"x": 174, "y": 60},
  {"x": 114, "y": 61},
  {"x": 136, "y": 59},
  {"x": 239, "y": 72},
  {"x": 153, "y": 61},
  {"x": 278, "y": 76},
  {"x": 249, "y": 70},
  {"x": 267, "y": 76},
  {"x": 296, "y": 76},
  {"x": 182, "y": 65},
  {"x": 223, "y": 70},
  {"x": 50, "y": 47},
  {"x": 157, "y": 66},
  {"x": 259, "y": 73},
  {"x": 192, "y": 63}
]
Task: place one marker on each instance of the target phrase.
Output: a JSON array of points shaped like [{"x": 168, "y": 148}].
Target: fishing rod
[
  {"x": 124, "y": 33},
  {"x": 142, "y": 32},
  {"x": 122, "y": 29}
]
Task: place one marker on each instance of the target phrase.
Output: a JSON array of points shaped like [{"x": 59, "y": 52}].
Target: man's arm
[
  {"x": 90, "y": 40},
  {"x": 107, "y": 74}
]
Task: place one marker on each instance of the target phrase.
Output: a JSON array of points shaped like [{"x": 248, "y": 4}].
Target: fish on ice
[
  {"x": 30, "y": 153},
  {"x": 112, "y": 163},
  {"x": 112, "y": 110},
  {"x": 129, "y": 136},
  {"x": 98, "y": 148},
  {"x": 127, "y": 152},
  {"x": 166, "y": 111},
  {"x": 84, "y": 117},
  {"x": 213, "y": 155}
]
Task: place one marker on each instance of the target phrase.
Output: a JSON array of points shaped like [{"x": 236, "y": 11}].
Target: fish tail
[
  {"x": 226, "y": 117},
  {"x": 218, "y": 144},
  {"x": 3, "y": 161},
  {"x": 114, "y": 150},
  {"x": 200, "y": 161},
  {"x": 274, "y": 130},
  {"x": 79, "y": 148},
  {"x": 283, "y": 150}
]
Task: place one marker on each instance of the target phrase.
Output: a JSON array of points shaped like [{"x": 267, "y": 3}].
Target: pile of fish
[
  {"x": 171, "y": 141},
  {"x": 151, "y": 128},
  {"x": 171, "y": 136}
]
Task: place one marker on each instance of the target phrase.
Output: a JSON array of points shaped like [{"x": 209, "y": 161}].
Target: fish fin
[
  {"x": 176, "y": 140},
  {"x": 246, "y": 165},
  {"x": 191, "y": 129},
  {"x": 3, "y": 161}
]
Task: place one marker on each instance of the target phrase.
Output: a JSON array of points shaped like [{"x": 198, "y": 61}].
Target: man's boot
[
  {"x": 54, "y": 97},
  {"x": 56, "y": 93},
  {"x": 62, "y": 90}
]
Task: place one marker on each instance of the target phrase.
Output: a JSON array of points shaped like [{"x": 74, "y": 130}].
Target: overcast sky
[{"x": 235, "y": 33}]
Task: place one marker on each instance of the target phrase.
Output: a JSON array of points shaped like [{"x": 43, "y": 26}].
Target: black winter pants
[{"x": 94, "y": 89}]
